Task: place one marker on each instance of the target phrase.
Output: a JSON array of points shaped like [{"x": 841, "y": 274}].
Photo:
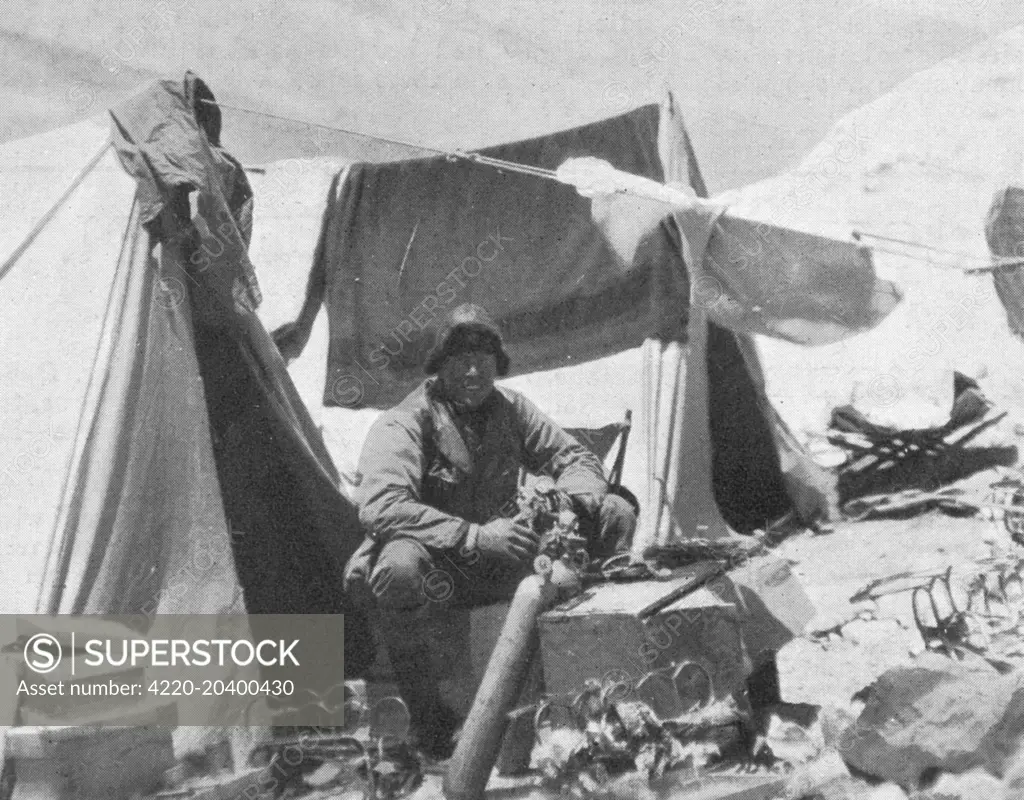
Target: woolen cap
[{"x": 465, "y": 319}]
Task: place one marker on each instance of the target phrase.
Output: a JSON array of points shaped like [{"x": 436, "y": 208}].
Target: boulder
[
  {"x": 937, "y": 715},
  {"x": 1013, "y": 778}
]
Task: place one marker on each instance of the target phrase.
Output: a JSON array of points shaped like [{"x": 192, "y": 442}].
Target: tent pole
[
  {"x": 669, "y": 484},
  {"x": 647, "y": 431},
  {"x": 650, "y": 513}
]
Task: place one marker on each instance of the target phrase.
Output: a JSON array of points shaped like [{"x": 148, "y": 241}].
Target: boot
[{"x": 407, "y": 634}]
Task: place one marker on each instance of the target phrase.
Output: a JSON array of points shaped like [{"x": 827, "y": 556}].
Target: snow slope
[{"x": 919, "y": 164}]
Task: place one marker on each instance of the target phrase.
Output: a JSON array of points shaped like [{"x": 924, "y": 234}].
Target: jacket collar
[{"x": 447, "y": 435}]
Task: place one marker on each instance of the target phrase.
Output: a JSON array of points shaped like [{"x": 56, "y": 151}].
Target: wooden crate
[{"x": 611, "y": 634}]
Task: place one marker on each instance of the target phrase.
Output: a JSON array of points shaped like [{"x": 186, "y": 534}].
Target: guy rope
[{"x": 651, "y": 190}]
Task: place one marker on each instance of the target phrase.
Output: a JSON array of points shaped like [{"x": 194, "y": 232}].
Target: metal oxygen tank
[{"x": 480, "y": 741}]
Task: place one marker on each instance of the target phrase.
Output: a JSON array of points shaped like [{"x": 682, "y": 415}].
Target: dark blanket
[{"x": 405, "y": 242}]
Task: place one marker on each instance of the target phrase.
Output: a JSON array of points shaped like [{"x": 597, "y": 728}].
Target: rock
[
  {"x": 792, "y": 742},
  {"x": 974, "y": 785},
  {"x": 1013, "y": 778},
  {"x": 937, "y": 714}
]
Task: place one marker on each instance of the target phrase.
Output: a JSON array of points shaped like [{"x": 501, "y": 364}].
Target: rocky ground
[
  {"x": 849, "y": 644},
  {"x": 870, "y": 712}
]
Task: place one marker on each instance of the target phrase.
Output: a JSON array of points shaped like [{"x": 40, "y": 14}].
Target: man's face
[{"x": 468, "y": 377}]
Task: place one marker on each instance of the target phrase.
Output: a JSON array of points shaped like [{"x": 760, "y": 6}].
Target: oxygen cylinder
[{"x": 480, "y": 741}]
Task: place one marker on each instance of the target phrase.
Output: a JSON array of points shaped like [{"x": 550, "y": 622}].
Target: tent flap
[{"x": 223, "y": 457}]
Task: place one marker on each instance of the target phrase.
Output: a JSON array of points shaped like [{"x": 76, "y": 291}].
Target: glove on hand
[{"x": 504, "y": 539}]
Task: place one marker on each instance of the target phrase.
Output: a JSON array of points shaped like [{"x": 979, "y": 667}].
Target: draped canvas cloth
[
  {"x": 688, "y": 457},
  {"x": 403, "y": 243}
]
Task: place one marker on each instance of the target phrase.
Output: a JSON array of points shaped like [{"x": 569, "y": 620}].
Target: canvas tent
[
  {"x": 1004, "y": 233},
  {"x": 156, "y": 456},
  {"x": 71, "y": 215},
  {"x": 402, "y": 241}
]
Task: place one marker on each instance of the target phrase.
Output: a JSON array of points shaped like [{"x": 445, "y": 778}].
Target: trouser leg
[
  {"x": 401, "y": 583},
  {"x": 412, "y": 585},
  {"x": 609, "y": 527}
]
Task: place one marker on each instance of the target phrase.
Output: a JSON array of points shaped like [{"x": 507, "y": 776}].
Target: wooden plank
[
  {"x": 697, "y": 575},
  {"x": 636, "y": 598}
]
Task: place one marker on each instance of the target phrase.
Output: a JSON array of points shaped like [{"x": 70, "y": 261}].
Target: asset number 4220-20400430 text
[{"x": 217, "y": 688}]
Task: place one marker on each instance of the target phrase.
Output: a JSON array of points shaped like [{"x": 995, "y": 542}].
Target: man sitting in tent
[{"x": 439, "y": 479}]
